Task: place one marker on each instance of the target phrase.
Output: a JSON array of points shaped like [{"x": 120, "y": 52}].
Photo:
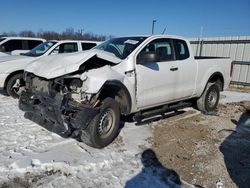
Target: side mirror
[{"x": 147, "y": 57}]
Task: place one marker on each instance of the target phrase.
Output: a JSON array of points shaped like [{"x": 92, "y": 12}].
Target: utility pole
[
  {"x": 164, "y": 30},
  {"x": 153, "y": 26},
  {"x": 200, "y": 42}
]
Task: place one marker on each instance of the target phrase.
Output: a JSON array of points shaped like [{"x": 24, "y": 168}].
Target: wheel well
[
  {"x": 119, "y": 92},
  {"x": 218, "y": 79},
  {"x": 12, "y": 74}
]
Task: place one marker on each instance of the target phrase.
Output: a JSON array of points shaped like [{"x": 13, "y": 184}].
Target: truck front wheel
[
  {"x": 104, "y": 127},
  {"x": 209, "y": 99}
]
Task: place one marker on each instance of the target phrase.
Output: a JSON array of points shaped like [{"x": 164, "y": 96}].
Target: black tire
[
  {"x": 209, "y": 99},
  {"x": 14, "y": 92},
  {"x": 109, "y": 118},
  {"x": 220, "y": 84}
]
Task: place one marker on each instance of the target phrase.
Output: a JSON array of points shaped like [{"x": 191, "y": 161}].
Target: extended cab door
[
  {"x": 155, "y": 73},
  {"x": 186, "y": 70},
  {"x": 165, "y": 72}
]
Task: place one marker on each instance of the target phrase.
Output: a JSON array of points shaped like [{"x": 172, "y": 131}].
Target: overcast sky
[{"x": 127, "y": 17}]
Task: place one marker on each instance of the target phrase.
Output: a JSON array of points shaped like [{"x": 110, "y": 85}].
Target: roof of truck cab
[
  {"x": 167, "y": 36},
  {"x": 84, "y": 41},
  {"x": 155, "y": 36},
  {"x": 25, "y": 38}
]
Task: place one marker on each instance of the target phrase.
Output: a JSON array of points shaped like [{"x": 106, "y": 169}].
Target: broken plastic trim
[{"x": 57, "y": 106}]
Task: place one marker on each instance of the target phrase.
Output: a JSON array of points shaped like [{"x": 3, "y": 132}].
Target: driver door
[{"x": 156, "y": 75}]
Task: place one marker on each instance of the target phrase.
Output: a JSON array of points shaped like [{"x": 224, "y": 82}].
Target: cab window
[
  {"x": 87, "y": 46},
  {"x": 158, "y": 50},
  {"x": 68, "y": 48},
  {"x": 11, "y": 45},
  {"x": 181, "y": 49},
  {"x": 65, "y": 48}
]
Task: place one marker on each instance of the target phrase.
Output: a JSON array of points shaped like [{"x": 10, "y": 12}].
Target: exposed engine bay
[{"x": 62, "y": 101}]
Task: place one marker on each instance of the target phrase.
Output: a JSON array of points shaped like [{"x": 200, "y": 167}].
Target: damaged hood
[
  {"x": 12, "y": 57},
  {"x": 58, "y": 65}
]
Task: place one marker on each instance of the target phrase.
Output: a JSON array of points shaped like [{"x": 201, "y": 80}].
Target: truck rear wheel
[
  {"x": 14, "y": 84},
  {"x": 103, "y": 129},
  {"x": 209, "y": 99}
]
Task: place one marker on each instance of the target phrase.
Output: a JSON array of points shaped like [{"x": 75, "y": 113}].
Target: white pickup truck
[
  {"x": 11, "y": 67},
  {"x": 84, "y": 94}
]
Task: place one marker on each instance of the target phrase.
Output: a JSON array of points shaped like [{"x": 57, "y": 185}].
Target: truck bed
[
  {"x": 210, "y": 57},
  {"x": 208, "y": 65}
]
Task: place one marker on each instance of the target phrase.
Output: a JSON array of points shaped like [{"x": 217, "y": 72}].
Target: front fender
[{"x": 93, "y": 80}]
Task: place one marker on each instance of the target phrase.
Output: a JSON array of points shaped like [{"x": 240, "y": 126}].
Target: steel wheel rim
[
  {"x": 106, "y": 123},
  {"x": 212, "y": 98}
]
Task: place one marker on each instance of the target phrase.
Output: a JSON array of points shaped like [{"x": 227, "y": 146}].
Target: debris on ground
[{"x": 182, "y": 149}]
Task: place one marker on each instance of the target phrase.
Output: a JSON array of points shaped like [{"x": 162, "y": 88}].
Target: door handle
[
  {"x": 174, "y": 68},
  {"x": 130, "y": 73}
]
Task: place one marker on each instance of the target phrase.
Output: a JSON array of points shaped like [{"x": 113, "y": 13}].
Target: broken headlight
[
  {"x": 84, "y": 83},
  {"x": 75, "y": 84}
]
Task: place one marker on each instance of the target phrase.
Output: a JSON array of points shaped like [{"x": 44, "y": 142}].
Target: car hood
[
  {"x": 12, "y": 57},
  {"x": 58, "y": 65}
]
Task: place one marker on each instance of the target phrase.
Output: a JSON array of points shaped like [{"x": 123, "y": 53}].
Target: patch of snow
[
  {"x": 30, "y": 152},
  {"x": 35, "y": 163},
  {"x": 219, "y": 184},
  {"x": 233, "y": 96},
  {"x": 45, "y": 159}
]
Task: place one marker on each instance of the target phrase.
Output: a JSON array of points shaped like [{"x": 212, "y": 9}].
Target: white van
[{"x": 18, "y": 45}]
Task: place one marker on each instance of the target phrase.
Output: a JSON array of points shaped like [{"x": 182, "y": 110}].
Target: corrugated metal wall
[
  {"x": 237, "y": 48},
  {"x": 241, "y": 73}
]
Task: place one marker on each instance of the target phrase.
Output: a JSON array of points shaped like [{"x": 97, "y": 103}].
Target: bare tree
[
  {"x": 27, "y": 34},
  {"x": 50, "y": 35},
  {"x": 69, "y": 34},
  {"x": 8, "y": 34}
]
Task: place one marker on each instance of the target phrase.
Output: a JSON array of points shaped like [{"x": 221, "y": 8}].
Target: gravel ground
[
  {"x": 162, "y": 152},
  {"x": 207, "y": 150}
]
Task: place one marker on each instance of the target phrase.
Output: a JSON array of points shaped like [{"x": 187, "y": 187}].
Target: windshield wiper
[{"x": 28, "y": 54}]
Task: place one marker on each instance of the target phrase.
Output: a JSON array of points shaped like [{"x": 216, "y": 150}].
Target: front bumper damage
[{"x": 53, "y": 104}]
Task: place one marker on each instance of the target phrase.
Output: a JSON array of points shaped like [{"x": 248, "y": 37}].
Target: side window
[
  {"x": 87, "y": 46},
  {"x": 160, "y": 49},
  {"x": 25, "y": 45},
  {"x": 11, "y": 45},
  {"x": 181, "y": 49},
  {"x": 68, "y": 48},
  {"x": 33, "y": 43}
]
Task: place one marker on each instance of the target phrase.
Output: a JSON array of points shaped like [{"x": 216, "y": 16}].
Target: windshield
[
  {"x": 40, "y": 49},
  {"x": 121, "y": 47}
]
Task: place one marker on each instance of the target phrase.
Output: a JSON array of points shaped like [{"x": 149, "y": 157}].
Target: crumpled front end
[{"x": 59, "y": 101}]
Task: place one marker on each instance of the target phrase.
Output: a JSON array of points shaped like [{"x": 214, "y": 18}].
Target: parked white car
[
  {"x": 85, "y": 93},
  {"x": 18, "y": 45},
  {"x": 11, "y": 67}
]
